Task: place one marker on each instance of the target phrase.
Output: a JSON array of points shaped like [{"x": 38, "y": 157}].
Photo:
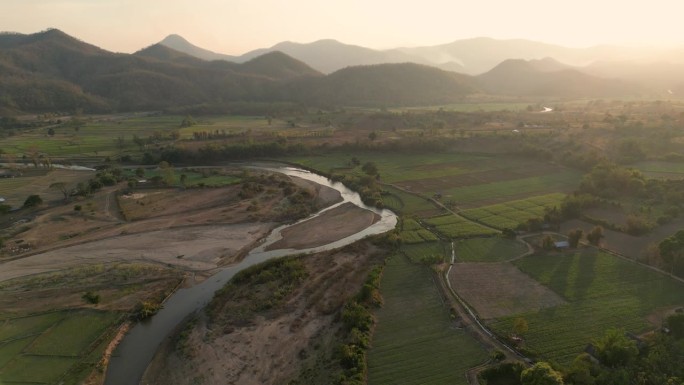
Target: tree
[
  {"x": 595, "y": 235},
  {"x": 32, "y": 201},
  {"x": 61, "y": 186},
  {"x": 520, "y": 326},
  {"x": 140, "y": 172},
  {"x": 51, "y": 131},
  {"x": 373, "y": 135},
  {"x": 672, "y": 252},
  {"x": 574, "y": 236},
  {"x": 541, "y": 374},
  {"x": 675, "y": 323},
  {"x": 370, "y": 168},
  {"x": 91, "y": 298},
  {"x": 615, "y": 349},
  {"x": 548, "y": 243},
  {"x": 183, "y": 179}
]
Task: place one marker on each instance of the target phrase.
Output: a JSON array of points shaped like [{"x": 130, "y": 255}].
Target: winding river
[{"x": 136, "y": 350}]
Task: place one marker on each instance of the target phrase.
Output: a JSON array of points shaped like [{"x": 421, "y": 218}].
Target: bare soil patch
[
  {"x": 273, "y": 348},
  {"x": 332, "y": 225},
  {"x": 120, "y": 287},
  {"x": 497, "y": 290}
]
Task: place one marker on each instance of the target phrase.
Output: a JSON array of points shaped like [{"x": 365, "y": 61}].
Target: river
[{"x": 136, "y": 350}]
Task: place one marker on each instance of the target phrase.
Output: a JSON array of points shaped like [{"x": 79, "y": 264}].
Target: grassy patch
[
  {"x": 48, "y": 347},
  {"x": 422, "y": 251},
  {"x": 408, "y": 204},
  {"x": 511, "y": 214},
  {"x": 454, "y": 226},
  {"x": 602, "y": 291},
  {"x": 493, "y": 249},
  {"x": 502, "y": 191},
  {"x": 415, "y": 341},
  {"x": 256, "y": 290},
  {"x": 73, "y": 335}
]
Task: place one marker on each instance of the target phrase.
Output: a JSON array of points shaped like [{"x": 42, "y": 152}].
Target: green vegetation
[
  {"x": 492, "y": 249},
  {"x": 560, "y": 181},
  {"x": 256, "y": 290},
  {"x": 413, "y": 232},
  {"x": 52, "y": 347},
  {"x": 407, "y": 204},
  {"x": 415, "y": 341},
  {"x": 602, "y": 291},
  {"x": 454, "y": 226},
  {"x": 514, "y": 213},
  {"x": 427, "y": 252}
]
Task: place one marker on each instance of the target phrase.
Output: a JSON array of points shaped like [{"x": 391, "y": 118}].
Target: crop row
[
  {"x": 454, "y": 226},
  {"x": 602, "y": 291},
  {"x": 415, "y": 341},
  {"x": 513, "y": 213}
]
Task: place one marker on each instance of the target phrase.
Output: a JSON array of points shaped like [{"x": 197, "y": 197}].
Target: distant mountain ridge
[
  {"x": 469, "y": 56},
  {"x": 52, "y": 71}
]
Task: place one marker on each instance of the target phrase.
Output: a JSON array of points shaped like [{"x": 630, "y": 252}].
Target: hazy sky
[{"x": 237, "y": 26}]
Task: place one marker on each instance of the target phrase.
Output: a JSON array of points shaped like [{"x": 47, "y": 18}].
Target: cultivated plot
[
  {"x": 416, "y": 341},
  {"x": 511, "y": 214},
  {"x": 602, "y": 291}
]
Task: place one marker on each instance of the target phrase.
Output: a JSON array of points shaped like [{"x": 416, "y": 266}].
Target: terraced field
[
  {"x": 512, "y": 213},
  {"x": 602, "y": 291},
  {"x": 415, "y": 341},
  {"x": 418, "y": 252}
]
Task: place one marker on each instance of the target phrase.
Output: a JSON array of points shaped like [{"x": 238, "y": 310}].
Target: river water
[{"x": 136, "y": 350}]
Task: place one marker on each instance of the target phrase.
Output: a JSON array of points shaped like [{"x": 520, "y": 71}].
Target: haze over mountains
[
  {"x": 469, "y": 56},
  {"x": 51, "y": 71}
]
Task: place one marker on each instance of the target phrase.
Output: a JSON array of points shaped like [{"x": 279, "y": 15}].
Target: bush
[
  {"x": 32, "y": 201},
  {"x": 91, "y": 297}
]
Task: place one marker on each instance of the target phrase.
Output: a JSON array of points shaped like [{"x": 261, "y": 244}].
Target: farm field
[
  {"x": 454, "y": 226},
  {"x": 415, "y": 341},
  {"x": 16, "y": 190},
  {"x": 408, "y": 204},
  {"x": 602, "y": 291},
  {"x": 661, "y": 169},
  {"x": 495, "y": 192},
  {"x": 53, "y": 347},
  {"x": 412, "y": 232},
  {"x": 418, "y": 252},
  {"x": 492, "y": 249},
  {"x": 512, "y": 213}
]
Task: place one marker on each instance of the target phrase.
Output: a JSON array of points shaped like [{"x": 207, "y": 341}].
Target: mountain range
[
  {"x": 470, "y": 56},
  {"x": 52, "y": 71}
]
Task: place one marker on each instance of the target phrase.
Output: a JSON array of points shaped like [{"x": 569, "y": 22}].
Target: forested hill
[{"x": 51, "y": 71}]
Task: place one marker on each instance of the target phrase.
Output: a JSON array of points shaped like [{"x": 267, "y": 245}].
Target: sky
[{"x": 238, "y": 26}]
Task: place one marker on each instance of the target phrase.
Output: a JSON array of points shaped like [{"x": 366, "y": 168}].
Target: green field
[
  {"x": 511, "y": 214},
  {"x": 661, "y": 169},
  {"x": 413, "y": 232},
  {"x": 52, "y": 347},
  {"x": 407, "y": 204},
  {"x": 479, "y": 194},
  {"x": 415, "y": 341},
  {"x": 395, "y": 167},
  {"x": 492, "y": 249},
  {"x": 603, "y": 291},
  {"x": 454, "y": 226},
  {"x": 418, "y": 251}
]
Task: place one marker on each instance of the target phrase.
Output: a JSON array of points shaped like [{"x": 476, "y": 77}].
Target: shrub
[{"x": 33, "y": 200}]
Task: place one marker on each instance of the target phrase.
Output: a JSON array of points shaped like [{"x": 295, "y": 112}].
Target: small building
[{"x": 561, "y": 244}]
